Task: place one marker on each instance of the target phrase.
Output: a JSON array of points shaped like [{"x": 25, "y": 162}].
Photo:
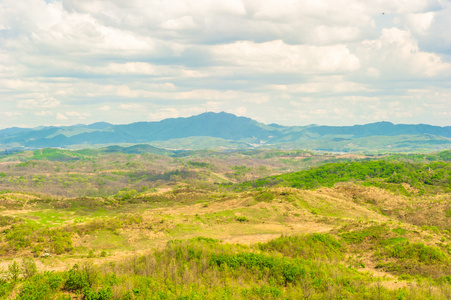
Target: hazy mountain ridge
[{"x": 232, "y": 128}]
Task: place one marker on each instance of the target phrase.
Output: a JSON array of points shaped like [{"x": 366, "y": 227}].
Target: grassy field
[{"x": 211, "y": 225}]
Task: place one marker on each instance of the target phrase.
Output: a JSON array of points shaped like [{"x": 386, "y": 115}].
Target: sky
[{"x": 326, "y": 62}]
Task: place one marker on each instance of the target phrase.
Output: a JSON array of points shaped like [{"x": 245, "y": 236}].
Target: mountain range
[{"x": 227, "y": 131}]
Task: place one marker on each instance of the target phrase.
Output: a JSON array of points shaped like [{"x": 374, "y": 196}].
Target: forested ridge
[{"x": 419, "y": 175}]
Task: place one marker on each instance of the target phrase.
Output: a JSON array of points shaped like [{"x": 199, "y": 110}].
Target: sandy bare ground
[{"x": 5, "y": 163}]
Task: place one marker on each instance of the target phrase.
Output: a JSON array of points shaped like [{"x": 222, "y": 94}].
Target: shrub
[
  {"x": 54, "y": 280},
  {"x": 77, "y": 280},
  {"x": 102, "y": 294},
  {"x": 289, "y": 270},
  {"x": 34, "y": 290},
  {"x": 418, "y": 252},
  {"x": 28, "y": 267},
  {"x": 5, "y": 288},
  {"x": 265, "y": 197},
  {"x": 14, "y": 271},
  {"x": 316, "y": 245},
  {"x": 242, "y": 219}
]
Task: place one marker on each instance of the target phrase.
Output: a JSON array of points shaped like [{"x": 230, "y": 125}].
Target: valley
[{"x": 129, "y": 223}]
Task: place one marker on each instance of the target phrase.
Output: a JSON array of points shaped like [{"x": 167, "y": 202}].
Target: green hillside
[
  {"x": 432, "y": 173},
  {"x": 126, "y": 223}
]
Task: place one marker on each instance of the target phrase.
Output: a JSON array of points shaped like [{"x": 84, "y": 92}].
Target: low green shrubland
[
  {"x": 204, "y": 268},
  {"x": 393, "y": 251},
  {"x": 25, "y": 235},
  {"x": 145, "y": 200},
  {"x": 430, "y": 177}
]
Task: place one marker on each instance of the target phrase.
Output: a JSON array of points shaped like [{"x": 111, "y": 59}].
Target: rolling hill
[{"x": 226, "y": 130}]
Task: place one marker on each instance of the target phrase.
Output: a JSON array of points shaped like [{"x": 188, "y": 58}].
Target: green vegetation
[
  {"x": 395, "y": 253},
  {"x": 204, "y": 268},
  {"x": 55, "y": 155},
  {"x": 103, "y": 224},
  {"x": 431, "y": 176}
]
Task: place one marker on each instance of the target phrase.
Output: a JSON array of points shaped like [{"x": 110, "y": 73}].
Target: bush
[
  {"x": 287, "y": 269},
  {"x": 5, "y": 288},
  {"x": 102, "y": 294},
  {"x": 242, "y": 219},
  {"x": 316, "y": 245},
  {"x": 28, "y": 267},
  {"x": 34, "y": 290},
  {"x": 417, "y": 252},
  {"x": 54, "y": 281},
  {"x": 77, "y": 280},
  {"x": 14, "y": 271},
  {"x": 264, "y": 197}
]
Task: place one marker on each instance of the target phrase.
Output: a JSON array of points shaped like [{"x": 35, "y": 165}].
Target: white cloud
[
  {"x": 10, "y": 114},
  {"x": 116, "y": 58},
  {"x": 276, "y": 57},
  {"x": 257, "y": 99},
  {"x": 240, "y": 111},
  {"x": 182, "y": 23},
  {"x": 61, "y": 117},
  {"x": 44, "y": 113},
  {"x": 323, "y": 35},
  {"x": 171, "y": 112},
  {"x": 77, "y": 115},
  {"x": 437, "y": 38},
  {"x": 131, "y": 68},
  {"x": 419, "y": 23},
  {"x": 130, "y": 106},
  {"x": 372, "y": 72},
  {"x": 38, "y": 103},
  {"x": 396, "y": 55},
  {"x": 164, "y": 114},
  {"x": 320, "y": 85},
  {"x": 213, "y": 105}
]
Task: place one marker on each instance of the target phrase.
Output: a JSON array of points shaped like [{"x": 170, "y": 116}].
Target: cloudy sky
[{"x": 289, "y": 62}]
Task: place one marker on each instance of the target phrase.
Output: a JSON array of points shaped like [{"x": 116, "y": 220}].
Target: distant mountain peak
[
  {"x": 383, "y": 122},
  {"x": 99, "y": 125},
  {"x": 219, "y": 114},
  {"x": 216, "y": 125}
]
